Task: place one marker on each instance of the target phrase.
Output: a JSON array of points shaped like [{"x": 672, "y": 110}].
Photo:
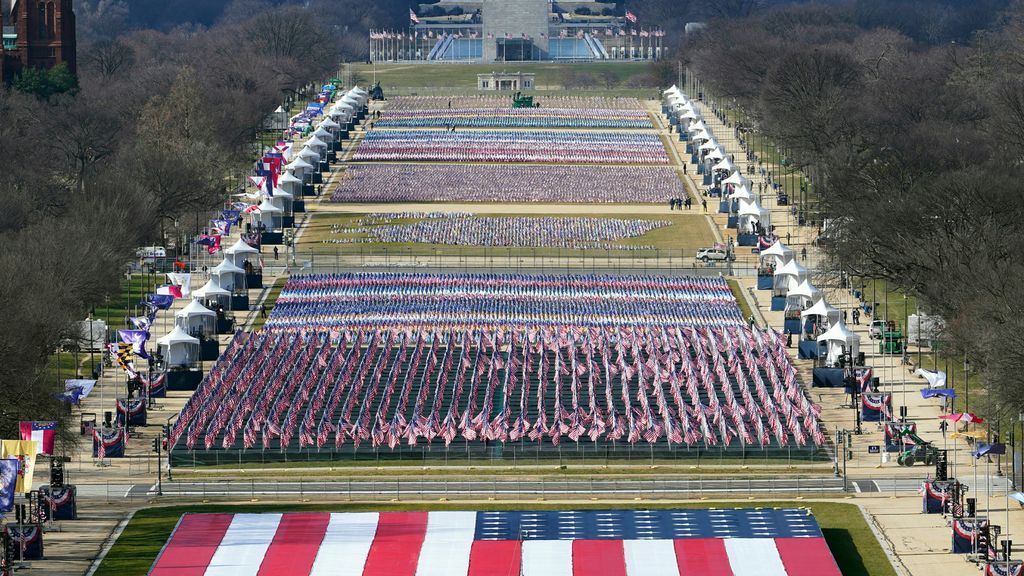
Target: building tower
[{"x": 45, "y": 36}]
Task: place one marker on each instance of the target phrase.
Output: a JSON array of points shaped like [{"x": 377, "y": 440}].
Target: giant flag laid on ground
[{"x": 741, "y": 542}]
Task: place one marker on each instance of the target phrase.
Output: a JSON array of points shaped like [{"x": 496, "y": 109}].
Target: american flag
[
  {"x": 470, "y": 543},
  {"x": 630, "y": 17}
]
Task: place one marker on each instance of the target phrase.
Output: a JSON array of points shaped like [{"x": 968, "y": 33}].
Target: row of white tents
[
  {"x": 338, "y": 118},
  {"x": 714, "y": 157},
  {"x": 179, "y": 347},
  {"x": 791, "y": 280}
]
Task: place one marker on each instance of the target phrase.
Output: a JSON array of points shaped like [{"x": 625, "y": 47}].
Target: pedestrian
[
  {"x": 844, "y": 316},
  {"x": 787, "y": 237},
  {"x": 671, "y": 204},
  {"x": 684, "y": 168},
  {"x": 263, "y": 310},
  {"x": 856, "y": 317},
  {"x": 803, "y": 253},
  {"x": 704, "y": 203},
  {"x": 275, "y": 252}
]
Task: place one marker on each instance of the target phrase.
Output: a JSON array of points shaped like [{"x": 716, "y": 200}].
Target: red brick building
[{"x": 36, "y": 34}]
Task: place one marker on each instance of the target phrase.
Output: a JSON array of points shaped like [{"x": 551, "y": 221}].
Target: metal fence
[{"x": 662, "y": 262}]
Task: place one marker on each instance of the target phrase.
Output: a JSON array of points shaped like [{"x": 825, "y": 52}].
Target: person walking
[
  {"x": 275, "y": 252},
  {"x": 671, "y": 203},
  {"x": 704, "y": 203}
]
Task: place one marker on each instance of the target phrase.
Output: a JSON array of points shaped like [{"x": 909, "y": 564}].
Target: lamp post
[{"x": 967, "y": 384}]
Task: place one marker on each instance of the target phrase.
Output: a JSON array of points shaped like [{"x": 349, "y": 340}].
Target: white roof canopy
[
  {"x": 177, "y": 336},
  {"x": 823, "y": 309},
  {"x": 266, "y": 206},
  {"x": 210, "y": 290},
  {"x": 697, "y": 126},
  {"x": 742, "y": 193},
  {"x": 725, "y": 165},
  {"x": 736, "y": 179},
  {"x": 840, "y": 333},
  {"x": 315, "y": 142},
  {"x": 279, "y": 193},
  {"x": 194, "y": 308},
  {"x": 226, "y": 267},
  {"x": 240, "y": 247},
  {"x": 777, "y": 249},
  {"x": 288, "y": 178},
  {"x": 805, "y": 290},
  {"x": 329, "y": 124},
  {"x": 300, "y": 164},
  {"x": 309, "y": 153}
]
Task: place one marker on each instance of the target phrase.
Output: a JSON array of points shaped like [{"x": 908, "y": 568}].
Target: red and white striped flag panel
[{"x": 447, "y": 544}]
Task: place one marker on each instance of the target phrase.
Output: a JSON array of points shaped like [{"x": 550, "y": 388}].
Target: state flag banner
[
  {"x": 25, "y": 453},
  {"x": 42, "y": 433},
  {"x": 777, "y": 542}
]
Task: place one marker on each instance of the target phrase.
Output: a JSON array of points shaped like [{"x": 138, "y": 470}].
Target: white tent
[
  {"x": 689, "y": 115},
  {"x": 210, "y": 291},
  {"x": 229, "y": 276},
  {"x": 269, "y": 215},
  {"x": 309, "y": 156},
  {"x": 802, "y": 295},
  {"x": 736, "y": 179},
  {"x": 789, "y": 276},
  {"x": 318, "y": 145},
  {"x": 329, "y": 124},
  {"x": 300, "y": 167},
  {"x": 178, "y": 348},
  {"x": 780, "y": 252},
  {"x": 283, "y": 200},
  {"x": 716, "y": 154},
  {"x": 742, "y": 193},
  {"x": 288, "y": 181},
  {"x": 750, "y": 213},
  {"x": 239, "y": 252},
  {"x": 725, "y": 165},
  {"x": 323, "y": 134},
  {"x": 673, "y": 90},
  {"x": 701, "y": 135},
  {"x": 196, "y": 319},
  {"x": 839, "y": 339},
  {"x": 697, "y": 126},
  {"x": 822, "y": 309},
  {"x": 709, "y": 145}
]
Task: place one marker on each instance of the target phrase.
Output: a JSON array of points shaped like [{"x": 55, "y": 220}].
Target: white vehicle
[
  {"x": 712, "y": 255},
  {"x": 150, "y": 253},
  {"x": 875, "y": 331}
]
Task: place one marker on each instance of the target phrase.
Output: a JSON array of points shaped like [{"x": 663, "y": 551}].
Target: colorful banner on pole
[
  {"x": 8, "y": 480},
  {"x": 42, "y": 433},
  {"x": 25, "y": 453}
]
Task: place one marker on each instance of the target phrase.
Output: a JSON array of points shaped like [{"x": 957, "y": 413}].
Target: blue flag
[
  {"x": 938, "y": 392},
  {"x": 8, "y": 479},
  {"x": 161, "y": 301},
  {"x": 137, "y": 338},
  {"x": 988, "y": 449}
]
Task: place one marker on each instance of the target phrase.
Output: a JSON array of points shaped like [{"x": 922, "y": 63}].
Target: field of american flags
[{"x": 377, "y": 366}]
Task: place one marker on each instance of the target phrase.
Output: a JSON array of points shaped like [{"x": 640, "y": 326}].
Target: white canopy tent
[
  {"x": 697, "y": 126},
  {"x": 229, "y": 277},
  {"x": 289, "y": 182},
  {"x": 789, "y": 276},
  {"x": 269, "y": 215},
  {"x": 822, "y": 309},
  {"x": 323, "y": 134},
  {"x": 318, "y": 146},
  {"x": 742, "y": 193},
  {"x": 196, "y": 319},
  {"x": 800, "y": 297},
  {"x": 750, "y": 213},
  {"x": 736, "y": 179},
  {"x": 178, "y": 348},
  {"x": 300, "y": 167},
  {"x": 283, "y": 200},
  {"x": 329, "y": 124},
  {"x": 725, "y": 165},
  {"x": 211, "y": 292},
  {"x": 310, "y": 156},
  {"x": 716, "y": 154},
  {"x": 779, "y": 252},
  {"x": 701, "y": 135},
  {"x": 840, "y": 340},
  {"x": 709, "y": 145},
  {"x": 239, "y": 252}
]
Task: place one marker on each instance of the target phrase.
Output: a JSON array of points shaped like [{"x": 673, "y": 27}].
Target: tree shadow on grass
[{"x": 845, "y": 551}]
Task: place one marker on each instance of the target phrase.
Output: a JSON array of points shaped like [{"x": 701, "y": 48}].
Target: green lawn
[
  {"x": 853, "y": 544},
  {"x": 275, "y": 291},
  {"x": 741, "y": 300},
  {"x": 682, "y": 238},
  {"x": 462, "y": 77}
]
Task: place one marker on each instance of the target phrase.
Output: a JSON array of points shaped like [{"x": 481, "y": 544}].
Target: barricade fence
[{"x": 503, "y": 260}]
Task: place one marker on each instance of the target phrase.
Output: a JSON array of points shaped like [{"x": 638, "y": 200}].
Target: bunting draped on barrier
[
  {"x": 131, "y": 411},
  {"x": 108, "y": 443},
  {"x": 60, "y": 502},
  {"x": 936, "y": 496},
  {"x": 965, "y": 534},
  {"x": 1004, "y": 568},
  {"x": 27, "y": 540},
  {"x": 876, "y": 407}
]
